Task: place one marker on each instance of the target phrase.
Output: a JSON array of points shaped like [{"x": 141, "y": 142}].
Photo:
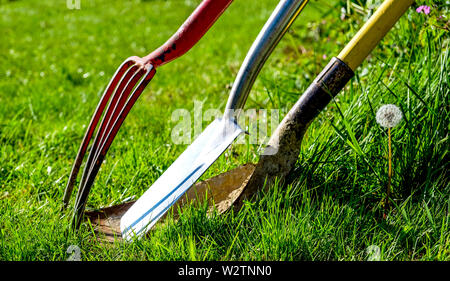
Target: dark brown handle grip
[{"x": 284, "y": 146}]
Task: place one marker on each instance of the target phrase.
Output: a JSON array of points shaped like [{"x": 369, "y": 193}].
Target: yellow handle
[{"x": 371, "y": 33}]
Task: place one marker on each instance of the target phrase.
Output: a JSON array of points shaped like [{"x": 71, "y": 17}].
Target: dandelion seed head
[{"x": 389, "y": 115}]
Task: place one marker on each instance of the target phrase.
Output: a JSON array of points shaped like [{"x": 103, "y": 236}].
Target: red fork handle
[{"x": 189, "y": 33}]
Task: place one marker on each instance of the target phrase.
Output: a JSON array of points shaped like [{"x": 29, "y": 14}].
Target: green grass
[{"x": 55, "y": 63}]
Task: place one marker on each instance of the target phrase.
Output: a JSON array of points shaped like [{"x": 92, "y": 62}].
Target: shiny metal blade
[{"x": 178, "y": 178}]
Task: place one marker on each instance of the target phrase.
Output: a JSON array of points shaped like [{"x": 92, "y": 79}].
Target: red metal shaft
[{"x": 189, "y": 33}]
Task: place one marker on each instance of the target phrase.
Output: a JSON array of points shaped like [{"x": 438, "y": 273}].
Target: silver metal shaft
[{"x": 272, "y": 32}]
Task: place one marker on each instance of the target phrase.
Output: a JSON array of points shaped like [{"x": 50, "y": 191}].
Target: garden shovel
[
  {"x": 287, "y": 137},
  {"x": 211, "y": 143}
]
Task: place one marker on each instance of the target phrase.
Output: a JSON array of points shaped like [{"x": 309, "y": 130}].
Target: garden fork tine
[
  {"x": 90, "y": 172},
  {"x": 92, "y": 125},
  {"x": 134, "y": 70},
  {"x": 131, "y": 77}
]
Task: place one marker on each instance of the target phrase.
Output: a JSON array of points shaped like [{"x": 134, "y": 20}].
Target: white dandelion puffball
[{"x": 389, "y": 115}]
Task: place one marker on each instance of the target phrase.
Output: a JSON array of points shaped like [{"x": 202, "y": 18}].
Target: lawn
[{"x": 56, "y": 61}]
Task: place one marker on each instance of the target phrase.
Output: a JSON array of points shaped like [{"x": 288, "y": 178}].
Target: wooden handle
[{"x": 373, "y": 31}]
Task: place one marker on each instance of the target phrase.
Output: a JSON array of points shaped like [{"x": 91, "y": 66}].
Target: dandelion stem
[
  {"x": 389, "y": 170},
  {"x": 388, "y": 116}
]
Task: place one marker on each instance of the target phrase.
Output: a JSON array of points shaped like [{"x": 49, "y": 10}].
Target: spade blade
[{"x": 178, "y": 178}]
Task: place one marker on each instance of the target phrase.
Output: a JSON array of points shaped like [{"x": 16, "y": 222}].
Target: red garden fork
[{"x": 124, "y": 89}]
